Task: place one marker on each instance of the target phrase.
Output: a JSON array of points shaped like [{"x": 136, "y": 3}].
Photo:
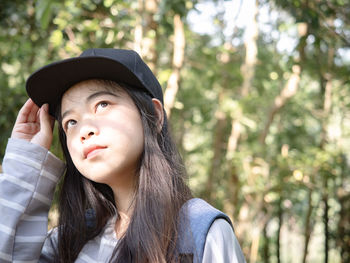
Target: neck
[
  {"x": 124, "y": 194},
  {"x": 124, "y": 199}
]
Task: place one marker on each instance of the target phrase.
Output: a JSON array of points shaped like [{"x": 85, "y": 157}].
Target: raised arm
[{"x": 30, "y": 174}]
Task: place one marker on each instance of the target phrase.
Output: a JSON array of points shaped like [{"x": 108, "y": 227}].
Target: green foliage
[
  {"x": 43, "y": 12},
  {"x": 306, "y": 150}
]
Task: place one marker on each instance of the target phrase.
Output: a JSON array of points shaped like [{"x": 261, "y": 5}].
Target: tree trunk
[
  {"x": 145, "y": 32},
  {"x": 255, "y": 244},
  {"x": 266, "y": 248},
  {"x": 178, "y": 58},
  {"x": 138, "y": 32},
  {"x": 326, "y": 110},
  {"x": 149, "y": 42},
  {"x": 280, "y": 223},
  {"x": 32, "y": 28},
  {"x": 248, "y": 73},
  {"x": 232, "y": 206},
  {"x": 308, "y": 228},
  {"x": 292, "y": 85},
  {"x": 326, "y": 221},
  {"x": 327, "y": 100},
  {"x": 343, "y": 224},
  {"x": 343, "y": 197},
  {"x": 248, "y": 68},
  {"x": 219, "y": 130},
  {"x": 287, "y": 92},
  {"x": 327, "y": 104}
]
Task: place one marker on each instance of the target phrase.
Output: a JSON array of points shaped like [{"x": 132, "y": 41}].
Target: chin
[{"x": 101, "y": 178}]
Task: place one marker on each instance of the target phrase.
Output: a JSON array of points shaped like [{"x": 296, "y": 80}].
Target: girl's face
[{"x": 104, "y": 131}]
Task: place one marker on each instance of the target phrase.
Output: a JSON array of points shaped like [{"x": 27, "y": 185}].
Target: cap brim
[{"x": 48, "y": 84}]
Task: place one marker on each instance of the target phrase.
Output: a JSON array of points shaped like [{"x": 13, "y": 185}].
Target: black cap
[{"x": 48, "y": 84}]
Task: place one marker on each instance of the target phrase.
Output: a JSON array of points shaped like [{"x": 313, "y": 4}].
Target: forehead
[
  {"x": 78, "y": 93},
  {"x": 81, "y": 90},
  {"x": 90, "y": 86}
]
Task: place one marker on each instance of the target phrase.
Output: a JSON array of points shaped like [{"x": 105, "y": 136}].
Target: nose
[{"x": 87, "y": 131}]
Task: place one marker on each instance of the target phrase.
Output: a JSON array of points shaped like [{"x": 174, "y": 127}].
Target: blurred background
[{"x": 257, "y": 93}]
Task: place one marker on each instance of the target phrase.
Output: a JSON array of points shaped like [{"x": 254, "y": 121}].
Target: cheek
[
  {"x": 72, "y": 149},
  {"x": 76, "y": 156},
  {"x": 140, "y": 136},
  {"x": 135, "y": 133}
]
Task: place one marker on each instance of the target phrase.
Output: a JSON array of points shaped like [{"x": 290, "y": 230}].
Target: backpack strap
[{"x": 196, "y": 218}]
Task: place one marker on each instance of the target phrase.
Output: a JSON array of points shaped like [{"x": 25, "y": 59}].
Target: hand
[{"x": 34, "y": 124}]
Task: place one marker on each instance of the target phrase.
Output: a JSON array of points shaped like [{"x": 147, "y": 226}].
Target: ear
[{"x": 160, "y": 113}]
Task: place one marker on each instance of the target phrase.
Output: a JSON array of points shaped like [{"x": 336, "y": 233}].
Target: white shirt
[{"x": 221, "y": 244}]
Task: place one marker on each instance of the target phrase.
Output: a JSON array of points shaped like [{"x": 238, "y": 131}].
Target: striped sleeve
[{"x": 30, "y": 175}]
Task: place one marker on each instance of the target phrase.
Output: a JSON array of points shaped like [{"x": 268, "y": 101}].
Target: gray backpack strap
[{"x": 197, "y": 216}]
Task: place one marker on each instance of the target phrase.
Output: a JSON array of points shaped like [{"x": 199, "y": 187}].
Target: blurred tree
[{"x": 260, "y": 112}]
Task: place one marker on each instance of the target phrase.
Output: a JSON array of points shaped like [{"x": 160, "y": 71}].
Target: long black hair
[{"x": 85, "y": 206}]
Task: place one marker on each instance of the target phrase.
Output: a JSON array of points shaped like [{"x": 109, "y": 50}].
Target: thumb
[{"x": 46, "y": 121}]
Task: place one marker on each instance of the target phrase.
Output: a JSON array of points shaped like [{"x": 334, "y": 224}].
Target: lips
[{"x": 92, "y": 150}]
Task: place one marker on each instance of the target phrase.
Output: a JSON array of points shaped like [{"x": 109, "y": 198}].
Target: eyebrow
[{"x": 90, "y": 98}]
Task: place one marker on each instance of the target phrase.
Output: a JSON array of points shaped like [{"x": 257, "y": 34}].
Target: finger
[
  {"x": 24, "y": 111},
  {"x": 37, "y": 116},
  {"x": 46, "y": 121},
  {"x": 26, "y": 128},
  {"x": 33, "y": 113}
]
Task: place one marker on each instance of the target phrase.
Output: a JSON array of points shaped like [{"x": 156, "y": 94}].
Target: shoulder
[
  {"x": 201, "y": 214},
  {"x": 220, "y": 229},
  {"x": 221, "y": 244},
  {"x": 199, "y": 211},
  {"x": 197, "y": 218}
]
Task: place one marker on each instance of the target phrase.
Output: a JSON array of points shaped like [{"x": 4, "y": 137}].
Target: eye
[
  {"x": 101, "y": 105},
  {"x": 68, "y": 124}
]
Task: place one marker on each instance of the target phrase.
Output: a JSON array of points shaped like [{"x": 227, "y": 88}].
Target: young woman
[{"x": 123, "y": 196}]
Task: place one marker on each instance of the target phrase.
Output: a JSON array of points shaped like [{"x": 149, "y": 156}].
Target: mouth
[{"x": 93, "y": 150}]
